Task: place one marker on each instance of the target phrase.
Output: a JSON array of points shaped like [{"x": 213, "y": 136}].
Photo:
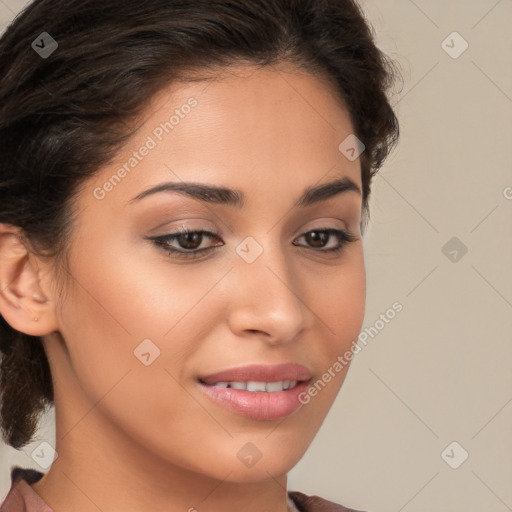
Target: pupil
[
  {"x": 314, "y": 237},
  {"x": 187, "y": 237}
]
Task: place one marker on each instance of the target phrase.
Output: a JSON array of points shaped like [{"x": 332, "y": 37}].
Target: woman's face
[{"x": 141, "y": 327}]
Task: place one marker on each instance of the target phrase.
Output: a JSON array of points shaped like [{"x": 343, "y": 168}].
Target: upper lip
[{"x": 259, "y": 373}]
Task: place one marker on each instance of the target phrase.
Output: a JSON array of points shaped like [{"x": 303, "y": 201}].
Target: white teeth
[
  {"x": 238, "y": 385},
  {"x": 256, "y": 386},
  {"x": 259, "y": 386},
  {"x": 274, "y": 386}
]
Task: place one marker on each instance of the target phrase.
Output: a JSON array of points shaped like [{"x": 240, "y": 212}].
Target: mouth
[
  {"x": 260, "y": 392},
  {"x": 257, "y": 386}
]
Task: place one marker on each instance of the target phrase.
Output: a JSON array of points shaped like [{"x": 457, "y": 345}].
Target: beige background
[{"x": 440, "y": 371}]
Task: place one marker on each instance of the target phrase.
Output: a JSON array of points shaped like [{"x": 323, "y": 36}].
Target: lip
[
  {"x": 258, "y": 405},
  {"x": 260, "y": 373}
]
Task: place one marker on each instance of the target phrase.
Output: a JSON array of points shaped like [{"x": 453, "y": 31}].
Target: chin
[
  {"x": 259, "y": 460},
  {"x": 271, "y": 460},
  {"x": 261, "y": 471}
]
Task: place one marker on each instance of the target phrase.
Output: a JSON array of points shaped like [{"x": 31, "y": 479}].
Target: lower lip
[{"x": 258, "y": 405}]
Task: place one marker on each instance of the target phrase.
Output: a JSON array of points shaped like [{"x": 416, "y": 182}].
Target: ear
[{"x": 24, "y": 302}]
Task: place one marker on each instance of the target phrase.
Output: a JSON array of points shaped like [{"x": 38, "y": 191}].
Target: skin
[{"x": 133, "y": 437}]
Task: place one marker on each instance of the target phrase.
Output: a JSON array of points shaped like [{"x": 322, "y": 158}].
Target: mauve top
[{"x": 22, "y": 498}]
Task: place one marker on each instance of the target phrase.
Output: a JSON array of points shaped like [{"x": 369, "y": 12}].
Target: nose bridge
[{"x": 267, "y": 296}]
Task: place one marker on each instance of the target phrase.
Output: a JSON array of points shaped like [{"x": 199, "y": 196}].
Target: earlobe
[{"x": 23, "y": 303}]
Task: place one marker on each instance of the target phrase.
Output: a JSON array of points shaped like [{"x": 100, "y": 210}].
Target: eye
[
  {"x": 189, "y": 242},
  {"x": 320, "y": 238}
]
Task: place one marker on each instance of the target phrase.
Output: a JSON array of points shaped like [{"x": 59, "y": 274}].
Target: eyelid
[{"x": 344, "y": 237}]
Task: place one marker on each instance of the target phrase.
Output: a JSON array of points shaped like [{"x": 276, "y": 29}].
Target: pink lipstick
[{"x": 261, "y": 392}]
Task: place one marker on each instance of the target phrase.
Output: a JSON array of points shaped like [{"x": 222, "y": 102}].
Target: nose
[{"x": 268, "y": 300}]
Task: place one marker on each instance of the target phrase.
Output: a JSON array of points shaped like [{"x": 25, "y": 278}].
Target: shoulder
[{"x": 306, "y": 503}]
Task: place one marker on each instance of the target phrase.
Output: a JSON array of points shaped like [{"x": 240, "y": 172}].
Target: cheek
[
  {"x": 117, "y": 302},
  {"x": 339, "y": 302},
  {"x": 340, "y": 307},
  {"x": 107, "y": 318}
]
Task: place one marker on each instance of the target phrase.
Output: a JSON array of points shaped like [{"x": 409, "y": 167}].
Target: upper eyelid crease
[
  {"x": 344, "y": 237},
  {"x": 233, "y": 197}
]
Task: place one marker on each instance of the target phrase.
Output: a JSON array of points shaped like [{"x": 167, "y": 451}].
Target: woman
[{"x": 183, "y": 193}]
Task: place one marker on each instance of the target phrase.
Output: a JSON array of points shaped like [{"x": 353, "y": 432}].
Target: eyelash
[{"x": 344, "y": 238}]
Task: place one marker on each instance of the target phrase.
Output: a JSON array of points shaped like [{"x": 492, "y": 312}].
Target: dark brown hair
[{"x": 65, "y": 116}]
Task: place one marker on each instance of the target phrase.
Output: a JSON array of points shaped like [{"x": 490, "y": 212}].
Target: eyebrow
[{"x": 234, "y": 197}]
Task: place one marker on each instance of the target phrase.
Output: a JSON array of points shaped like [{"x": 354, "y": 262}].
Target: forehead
[{"x": 274, "y": 125}]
